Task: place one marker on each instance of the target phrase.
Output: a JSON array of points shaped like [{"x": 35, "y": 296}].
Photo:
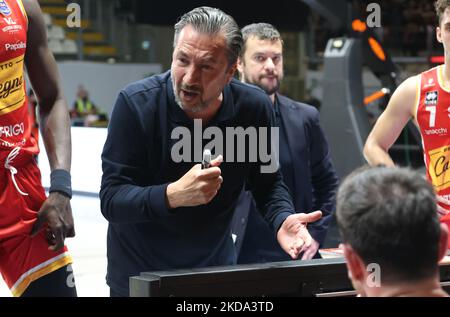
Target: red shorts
[{"x": 23, "y": 258}]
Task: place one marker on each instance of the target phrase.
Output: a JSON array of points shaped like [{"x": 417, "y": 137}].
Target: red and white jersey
[
  {"x": 24, "y": 259},
  {"x": 15, "y": 129},
  {"x": 433, "y": 118}
]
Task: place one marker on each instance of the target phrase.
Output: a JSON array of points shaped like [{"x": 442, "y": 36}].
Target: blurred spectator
[
  {"x": 83, "y": 106},
  {"x": 84, "y": 112}
]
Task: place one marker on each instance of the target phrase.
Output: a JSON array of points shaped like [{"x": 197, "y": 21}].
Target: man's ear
[
  {"x": 230, "y": 72},
  {"x": 355, "y": 266},
  {"x": 240, "y": 65},
  {"x": 438, "y": 34},
  {"x": 443, "y": 241}
]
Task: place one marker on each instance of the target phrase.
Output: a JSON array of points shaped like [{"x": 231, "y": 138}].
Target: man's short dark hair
[
  {"x": 389, "y": 217},
  {"x": 440, "y": 6},
  {"x": 262, "y": 31},
  {"x": 213, "y": 21}
]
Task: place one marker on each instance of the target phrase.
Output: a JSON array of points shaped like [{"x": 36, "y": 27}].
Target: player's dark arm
[
  {"x": 43, "y": 74},
  {"x": 55, "y": 129}
]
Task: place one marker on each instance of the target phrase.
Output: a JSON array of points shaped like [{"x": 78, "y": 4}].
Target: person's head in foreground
[{"x": 392, "y": 238}]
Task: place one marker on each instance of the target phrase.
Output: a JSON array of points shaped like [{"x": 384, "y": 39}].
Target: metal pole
[
  {"x": 80, "y": 41},
  {"x": 100, "y": 12}
]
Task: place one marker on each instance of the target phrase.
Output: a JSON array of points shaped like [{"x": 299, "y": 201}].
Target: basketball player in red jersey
[
  {"x": 425, "y": 98},
  {"x": 33, "y": 258}
]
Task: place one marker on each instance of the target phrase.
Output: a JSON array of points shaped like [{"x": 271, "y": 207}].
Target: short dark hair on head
[
  {"x": 440, "y": 6},
  {"x": 262, "y": 31},
  {"x": 389, "y": 217},
  {"x": 213, "y": 21}
]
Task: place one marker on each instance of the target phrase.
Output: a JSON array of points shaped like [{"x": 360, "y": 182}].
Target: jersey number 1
[{"x": 432, "y": 111}]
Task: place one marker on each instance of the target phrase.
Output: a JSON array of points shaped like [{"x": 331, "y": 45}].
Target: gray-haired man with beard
[{"x": 168, "y": 214}]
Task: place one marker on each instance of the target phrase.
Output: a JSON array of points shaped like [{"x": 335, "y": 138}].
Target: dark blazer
[{"x": 315, "y": 183}]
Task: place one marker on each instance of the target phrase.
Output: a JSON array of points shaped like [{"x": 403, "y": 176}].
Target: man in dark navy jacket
[
  {"x": 304, "y": 154},
  {"x": 164, "y": 210}
]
